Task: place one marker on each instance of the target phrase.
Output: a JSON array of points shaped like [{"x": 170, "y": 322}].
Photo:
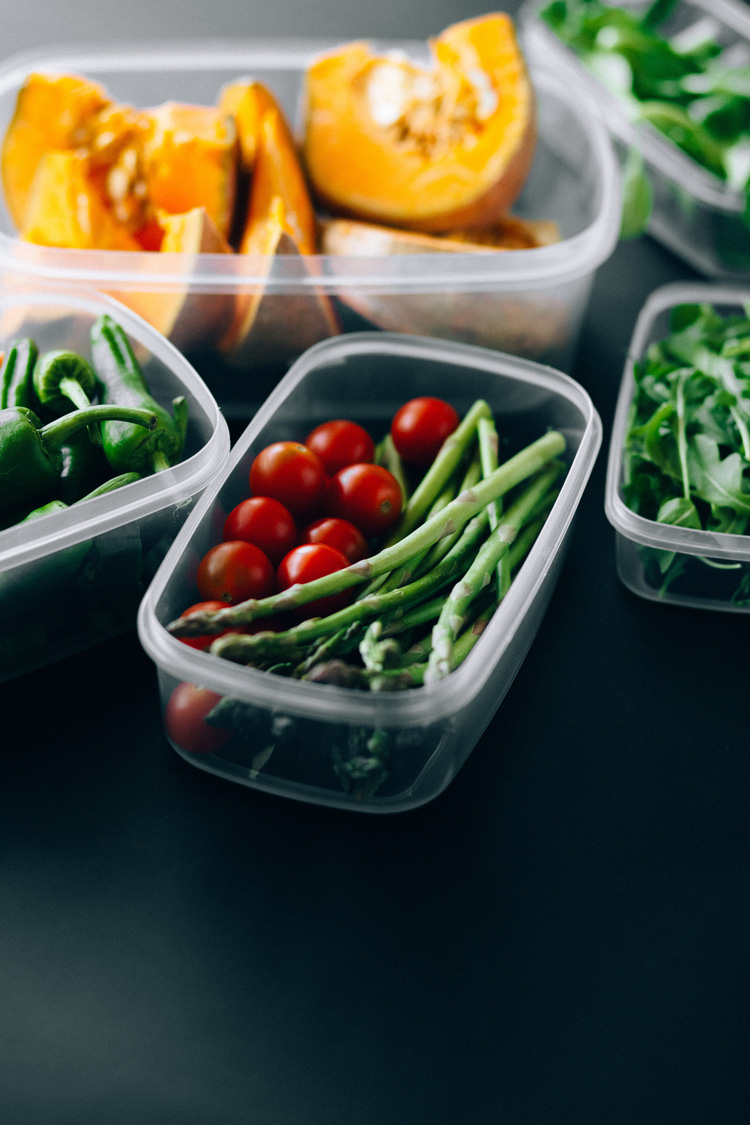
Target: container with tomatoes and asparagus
[{"x": 346, "y": 607}]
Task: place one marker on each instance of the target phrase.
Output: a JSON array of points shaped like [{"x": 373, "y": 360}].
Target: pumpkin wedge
[
  {"x": 184, "y": 315},
  {"x": 65, "y": 208},
  {"x": 537, "y": 327},
  {"x": 369, "y": 240},
  {"x": 246, "y": 101},
  {"x": 190, "y": 160},
  {"x": 52, "y": 112},
  {"x": 428, "y": 148},
  {"x": 273, "y": 328},
  {"x": 279, "y": 220}
]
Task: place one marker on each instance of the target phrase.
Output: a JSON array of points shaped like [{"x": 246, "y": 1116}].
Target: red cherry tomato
[
  {"x": 205, "y": 642},
  {"x": 369, "y": 496},
  {"x": 290, "y": 473},
  {"x": 420, "y": 427},
  {"x": 306, "y": 563},
  {"x": 185, "y": 720},
  {"x": 266, "y": 523},
  {"x": 233, "y": 571},
  {"x": 338, "y": 533},
  {"x": 339, "y": 443}
]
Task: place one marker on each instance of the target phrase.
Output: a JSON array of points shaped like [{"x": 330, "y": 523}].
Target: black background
[{"x": 561, "y": 937}]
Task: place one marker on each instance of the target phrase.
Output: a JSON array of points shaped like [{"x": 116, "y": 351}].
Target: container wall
[{"x": 345, "y": 747}]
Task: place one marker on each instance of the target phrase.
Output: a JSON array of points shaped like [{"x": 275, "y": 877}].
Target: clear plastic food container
[
  {"x": 304, "y": 739},
  {"x": 527, "y": 302},
  {"x": 716, "y": 567},
  {"x": 694, "y": 213},
  {"x": 75, "y": 577}
]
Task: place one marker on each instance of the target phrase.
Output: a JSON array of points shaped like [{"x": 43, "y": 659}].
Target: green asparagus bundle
[{"x": 420, "y": 603}]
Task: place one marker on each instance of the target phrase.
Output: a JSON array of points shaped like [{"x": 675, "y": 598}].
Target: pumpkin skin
[
  {"x": 186, "y": 317},
  {"x": 535, "y": 326},
  {"x": 273, "y": 328},
  {"x": 430, "y": 149}
]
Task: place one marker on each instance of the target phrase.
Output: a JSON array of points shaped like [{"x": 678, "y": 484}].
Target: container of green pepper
[
  {"x": 671, "y": 81},
  {"x": 95, "y": 488}
]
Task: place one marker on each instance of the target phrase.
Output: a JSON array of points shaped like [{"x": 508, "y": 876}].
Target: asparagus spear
[
  {"x": 456, "y": 514},
  {"x": 454, "y": 612}
]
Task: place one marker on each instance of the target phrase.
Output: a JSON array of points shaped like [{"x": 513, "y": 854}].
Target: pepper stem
[{"x": 55, "y": 434}]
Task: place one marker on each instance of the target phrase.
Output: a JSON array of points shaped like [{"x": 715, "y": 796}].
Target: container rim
[
  {"x": 25, "y": 543},
  {"x": 422, "y": 705},
  {"x": 656, "y": 149},
  {"x": 565, "y": 261},
  {"x": 627, "y": 523}
]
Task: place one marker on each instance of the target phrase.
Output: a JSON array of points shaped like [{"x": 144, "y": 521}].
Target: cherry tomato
[
  {"x": 306, "y": 563},
  {"x": 233, "y": 571},
  {"x": 185, "y": 720},
  {"x": 339, "y": 443},
  {"x": 420, "y": 427},
  {"x": 266, "y": 523},
  {"x": 290, "y": 473},
  {"x": 205, "y": 642},
  {"x": 338, "y": 533},
  {"x": 369, "y": 496}
]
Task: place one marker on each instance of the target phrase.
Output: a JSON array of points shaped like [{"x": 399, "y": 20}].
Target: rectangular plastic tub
[
  {"x": 694, "y": 214},
  {"x": 75, "y": 577},
  {"x": 716, "y": 574},
  {"x": 298, "y": 731},
  {"x": 526, "y": 302}
]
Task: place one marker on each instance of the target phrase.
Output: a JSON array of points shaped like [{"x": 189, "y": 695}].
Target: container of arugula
[
  {"x": 671, "y": 79},
  {"x": 678, "y": 475}
]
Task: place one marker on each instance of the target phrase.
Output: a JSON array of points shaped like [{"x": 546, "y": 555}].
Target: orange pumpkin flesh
[
  {"x": 190, "y": 160},
  {"x": 246, "y": 102},
  {"x": 431, "y": 149},
  {"x": 52, "y": 112},
  {"x": 182, "y": 315},
  {"x": 65, "y": 208},
  {"x": 366, "y": 240}
]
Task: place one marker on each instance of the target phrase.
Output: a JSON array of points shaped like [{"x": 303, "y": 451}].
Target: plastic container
[
  {"x": 716, "y": 572},
  {"x": 526, "y": 302},
  {"x": 695, "y": 214},
  {"x": 299, "y": 731},
  {"x": 76, "y": 577}
]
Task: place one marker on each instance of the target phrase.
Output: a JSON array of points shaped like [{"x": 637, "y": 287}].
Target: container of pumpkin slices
[{"x": 205, "y": 188}]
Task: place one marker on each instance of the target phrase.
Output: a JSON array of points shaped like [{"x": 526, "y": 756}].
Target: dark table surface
[{"x": 561, "y": 937}]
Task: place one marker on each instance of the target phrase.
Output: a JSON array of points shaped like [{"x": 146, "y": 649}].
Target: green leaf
[
  {"x": 679, "y": 512},
  {"x": 637, "y": 196},
  {"x": 717, "y": 480}
]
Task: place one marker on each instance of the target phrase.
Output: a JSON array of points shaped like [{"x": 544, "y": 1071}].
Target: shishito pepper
[
  {"x": 30, "y": 453},
  {"x": 17, "y": 375},
  {"x": 61, "y": 378},
  {"x": 121, "y": 379}
]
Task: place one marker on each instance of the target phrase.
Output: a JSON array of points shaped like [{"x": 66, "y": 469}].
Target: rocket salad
[
  {"x": 685, "y": 84},
  {"x": 686, "y": 458}
]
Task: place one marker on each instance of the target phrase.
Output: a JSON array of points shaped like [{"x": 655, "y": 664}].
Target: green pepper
[
  {"x": 62, "y": 378},
  {"x": 30, "y": 459},
  {"x": 16, "y": 378},
  {"x": 128, "y": 447},
  {"x": 110, "y": 485},
  {"x": 84, "y": 466}
]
